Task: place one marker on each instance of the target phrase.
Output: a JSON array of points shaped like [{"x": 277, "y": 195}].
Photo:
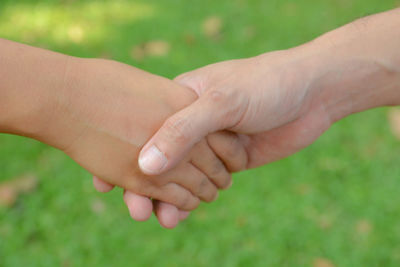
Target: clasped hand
[
  {"x": 269, "y": 107},
  {"x": 266, "y": 120}
]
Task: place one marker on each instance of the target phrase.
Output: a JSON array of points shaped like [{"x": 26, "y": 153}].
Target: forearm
[
  {"x": 357, "y": 67},
  {"x": 29, "y": 81}
]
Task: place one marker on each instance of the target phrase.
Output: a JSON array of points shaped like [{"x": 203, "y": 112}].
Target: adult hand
[
  {"x": 267, "y": 99},
  {"x": 281, "y": 102},
  {"x": 230, "y": 98}
]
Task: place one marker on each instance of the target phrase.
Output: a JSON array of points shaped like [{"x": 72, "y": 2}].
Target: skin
[
  {"x": 226, "y": 145},
  {"x": 100, "y": 113},
  {"x": 281, "y": 102}
]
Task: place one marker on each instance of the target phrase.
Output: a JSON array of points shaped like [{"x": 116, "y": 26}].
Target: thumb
[{"x": 211, "y": 112}]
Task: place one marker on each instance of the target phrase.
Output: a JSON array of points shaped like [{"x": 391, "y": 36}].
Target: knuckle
[
  {"x": 200, "y": 187},
  {"x": 188, "y": 202},
  {"x": 208, "y": 191},
  {"x": 233, "y": 101},
  {"x": 241, "y": 162},
  {"x": 212, "y": 194},
  {"x": 233, "y": 147},
  {"x": 203, "y": 186},
  {"x": 217, "y": 96},
  {"x": 231, "y": 151},
  {"x": 217, "y": 169},
  {"x": 195, "y": 203},
  {"x": 220, "y": 176},
  {"x": 225, "y": 181},
  {"x": 183, "y": 199},
  {"x": 177, "y": 199},
  {"x": 176, "y": 130}
]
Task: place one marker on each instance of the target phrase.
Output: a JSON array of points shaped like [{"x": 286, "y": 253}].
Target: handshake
[
  {"x": 171, "y": 144},
  {"x": 198, "y": 129},
  {"x": 168, "y": 144}
]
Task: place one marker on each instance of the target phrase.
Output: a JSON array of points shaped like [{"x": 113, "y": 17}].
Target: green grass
[{"x": 288, "y": 213}]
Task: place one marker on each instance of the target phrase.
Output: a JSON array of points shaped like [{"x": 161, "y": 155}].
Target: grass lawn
[{"x": 334, "y": 204}]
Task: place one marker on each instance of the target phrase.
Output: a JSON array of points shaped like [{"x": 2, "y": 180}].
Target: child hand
[
  {"x": 111, "y": 109},
  {"x": 100, "y": 113}
]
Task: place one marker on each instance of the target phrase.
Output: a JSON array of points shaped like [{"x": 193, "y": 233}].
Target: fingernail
[{"x": 152, "y": 161}]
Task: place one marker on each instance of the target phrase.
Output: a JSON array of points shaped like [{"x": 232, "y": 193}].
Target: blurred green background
[{"x": 334, "y": 204}]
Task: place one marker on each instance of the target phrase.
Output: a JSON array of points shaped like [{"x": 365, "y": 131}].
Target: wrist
[
  {"x": 36, "y": 97},
  {"x": 61, "y": 123},
  {"x": 95, "y": 89},
  {"x": 353, "y": 70},
  {"x": 34, "y": 77}
]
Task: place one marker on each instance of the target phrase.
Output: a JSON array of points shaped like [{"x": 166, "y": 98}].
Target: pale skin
[
  {"x": 281, "y": 102},
  {"x": 100, "y": 113}
]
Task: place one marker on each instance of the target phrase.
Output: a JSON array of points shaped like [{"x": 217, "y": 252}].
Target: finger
[
  {"x": 140, "y": 207},
  {"x": 213, "y": 111},
  {"x": 207, "y": 161},
  {"x": 194, "y": 180},
  {"x": 177, "y": 196},
  {"x": 230, "y": 149},
  {"x": 167, "y": 214},
  {"x": 101, "y": 185}
]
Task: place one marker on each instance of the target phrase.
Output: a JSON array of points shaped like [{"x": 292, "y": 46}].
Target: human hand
[
  {"x": 267, "y": 99},
  {"x": 252, "y": 150},
  {"x": 108, "y": 112},
  {"x": 281, "y": 102},
  {"x": 100, "y": 113},
  {"x": 226, "y": 146}
]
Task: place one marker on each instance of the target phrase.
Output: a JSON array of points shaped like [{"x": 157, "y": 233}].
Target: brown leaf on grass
[
  {"x": 212, "y": 27},
  {"x": 321, "y": 262},
  {"x": 394, "y": 121},
  {"x": 364, "y": 227},
  {"x": 156, "y": 48},
  {"x": 10, "y": 190}
]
